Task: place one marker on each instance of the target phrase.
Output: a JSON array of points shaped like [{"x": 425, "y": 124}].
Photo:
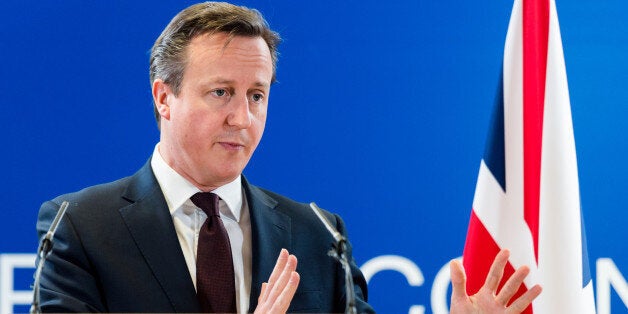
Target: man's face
[{"x": 211, "y": 129}]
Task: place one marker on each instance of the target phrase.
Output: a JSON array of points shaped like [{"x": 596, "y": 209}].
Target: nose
[{"x": 239, "y": 116}]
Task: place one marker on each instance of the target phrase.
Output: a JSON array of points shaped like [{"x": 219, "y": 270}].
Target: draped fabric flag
[{"x": 527, "y": 197}]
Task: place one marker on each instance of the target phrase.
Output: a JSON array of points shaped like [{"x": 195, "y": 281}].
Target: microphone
[
  {"x": 339, "y": 253},
  {"x": 45, "y": 247}
]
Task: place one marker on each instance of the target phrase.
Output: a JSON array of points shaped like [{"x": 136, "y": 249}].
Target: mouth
[{"x": 231, "y": 146}]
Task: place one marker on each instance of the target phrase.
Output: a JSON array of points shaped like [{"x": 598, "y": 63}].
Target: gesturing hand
[
  {"x": 487, "y": 299},
  {"x": 277, "y": 294}
]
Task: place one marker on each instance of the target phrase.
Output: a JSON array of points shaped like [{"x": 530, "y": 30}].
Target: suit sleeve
[
  {"x": 67, "y": 280},
  {"x": 359, "y": 283}
]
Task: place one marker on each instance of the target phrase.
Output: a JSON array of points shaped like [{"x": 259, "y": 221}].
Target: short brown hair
[{"x": 167, "y": 57}]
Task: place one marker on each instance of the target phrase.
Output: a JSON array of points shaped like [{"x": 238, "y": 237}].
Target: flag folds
[{"x": 527, "y": 197}]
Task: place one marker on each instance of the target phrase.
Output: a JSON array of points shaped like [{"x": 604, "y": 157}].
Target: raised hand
[
  {"x": 277, "y": 293},
  {"x": 488, "y": 299}
]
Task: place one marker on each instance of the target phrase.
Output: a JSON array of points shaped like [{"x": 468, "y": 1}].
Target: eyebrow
[{"x": 229, "y": 82}]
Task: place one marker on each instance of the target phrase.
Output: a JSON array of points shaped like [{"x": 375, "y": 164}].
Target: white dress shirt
[{"x": 188, "y": 220}]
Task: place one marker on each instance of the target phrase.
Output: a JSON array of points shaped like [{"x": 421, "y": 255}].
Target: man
[
  {"x": 131, "y": 245},
  {"x": 139, "y": 244}
]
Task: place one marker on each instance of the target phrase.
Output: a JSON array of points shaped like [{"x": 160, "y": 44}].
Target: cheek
[
  {"x": 193, "y": 129},
  {"x": 260, "y": 124},
  {"x": 260, "y": 115},
  {"x": 197, "y": 120}
]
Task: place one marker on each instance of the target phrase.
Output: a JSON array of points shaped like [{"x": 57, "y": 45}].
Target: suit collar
[{"x": 150, "y": 224}]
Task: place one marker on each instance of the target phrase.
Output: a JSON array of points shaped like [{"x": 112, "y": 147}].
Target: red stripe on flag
[
  {"x": 479, "y": 251},
  {"x": 535, "y": 41}
]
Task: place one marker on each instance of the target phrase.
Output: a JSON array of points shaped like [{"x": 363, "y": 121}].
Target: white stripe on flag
[{"x": 560, "y": 256}]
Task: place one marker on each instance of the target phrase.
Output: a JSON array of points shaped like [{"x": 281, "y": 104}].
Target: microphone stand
[
  {"x": 45, "y": 247},
  {"x": 339, "y": 253}
]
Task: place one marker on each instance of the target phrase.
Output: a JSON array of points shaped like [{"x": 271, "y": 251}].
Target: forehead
[{"x": 234, "y": 50}]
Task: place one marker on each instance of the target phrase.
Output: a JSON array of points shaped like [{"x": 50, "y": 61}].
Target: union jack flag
[{"x": 527, "y": 196}]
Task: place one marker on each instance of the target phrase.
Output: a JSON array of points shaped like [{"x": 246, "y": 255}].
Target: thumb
[{"x": 458, "y": 281}]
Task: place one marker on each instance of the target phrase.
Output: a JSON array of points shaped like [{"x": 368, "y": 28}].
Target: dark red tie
[{"x": 215, "y": 284}]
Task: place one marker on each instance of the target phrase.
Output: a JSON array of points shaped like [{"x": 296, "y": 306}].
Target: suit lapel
[
  {"x": 150, "y": 224},
  {"x": 271, "y": 231}
]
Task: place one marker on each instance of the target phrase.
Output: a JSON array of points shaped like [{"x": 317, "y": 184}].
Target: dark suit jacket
[{"x": 116, "y": 250}]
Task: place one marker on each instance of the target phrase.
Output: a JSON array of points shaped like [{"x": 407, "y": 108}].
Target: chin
[
  {"x": 226, "y": 176},
  {"x": 223, "y": 171}
]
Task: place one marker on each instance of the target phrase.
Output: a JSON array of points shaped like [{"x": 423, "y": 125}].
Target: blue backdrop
[{"x": 380, "y": 114}]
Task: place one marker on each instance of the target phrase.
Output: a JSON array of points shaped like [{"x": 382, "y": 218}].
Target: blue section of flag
[
  {"x": 494, "y": 155},
  {"x": 586, "y": 271}
]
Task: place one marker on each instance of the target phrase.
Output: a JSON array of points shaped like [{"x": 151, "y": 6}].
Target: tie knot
[{"x": 207, "y": 201}]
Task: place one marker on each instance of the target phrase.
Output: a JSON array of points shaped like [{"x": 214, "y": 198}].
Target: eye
[
  {"x": 257, "y": 97},
  {"x": 219, "y": 92}
]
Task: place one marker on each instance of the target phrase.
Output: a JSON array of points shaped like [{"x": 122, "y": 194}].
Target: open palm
[{"x": 488, "y": 299}]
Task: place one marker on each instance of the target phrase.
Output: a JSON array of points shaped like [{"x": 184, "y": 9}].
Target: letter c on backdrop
[{"x": 400, "y": 264}]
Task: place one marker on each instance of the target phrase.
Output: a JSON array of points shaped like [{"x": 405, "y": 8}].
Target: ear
[{"x": 161, "y": 93}]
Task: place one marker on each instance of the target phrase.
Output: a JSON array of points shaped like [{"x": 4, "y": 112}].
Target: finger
[
  {"x": 497, "y": 270},
  {"x": 284, "y": 299},
  {"x": 279, "y": 295},
  {"x": 512, "y": 285},
  {"x": 262, "y": 293},
  {"x": 458, "y": 281},
  {"x": 523, "y": 301},
  {"x": 279, "y": 266},
  {"x": 283, "y": 279}
]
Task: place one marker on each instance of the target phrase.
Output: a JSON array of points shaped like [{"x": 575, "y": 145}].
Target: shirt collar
[{"x": 177, "y": 190}]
